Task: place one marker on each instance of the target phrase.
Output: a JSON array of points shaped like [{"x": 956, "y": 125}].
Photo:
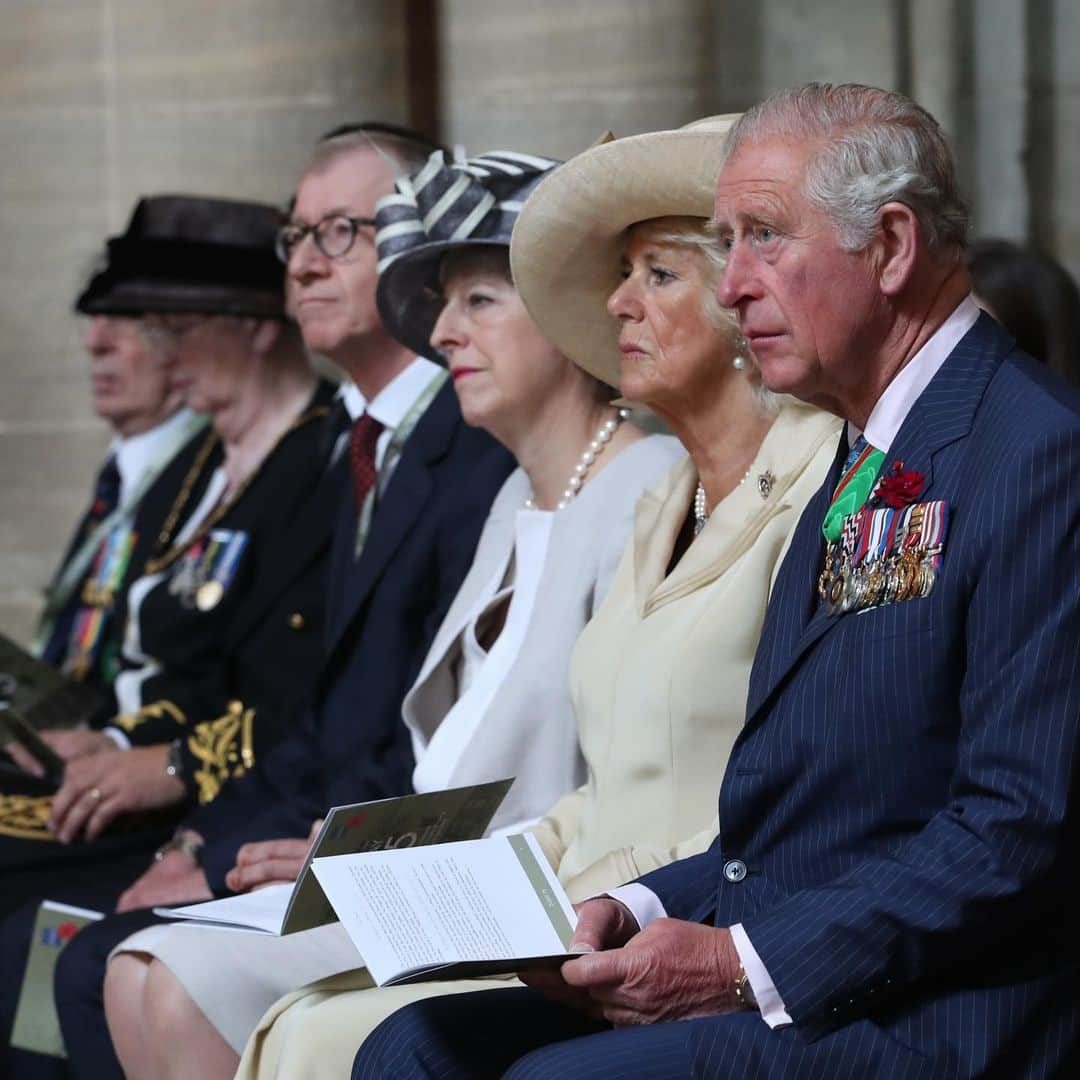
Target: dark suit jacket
[
  {"x": 150, "y": 515},
  {"x": 383, "y": 612},
  {"x": 260, "y": 646},
  {"x": 904, "y": 795},
  {"x": 248, "y": 649}
]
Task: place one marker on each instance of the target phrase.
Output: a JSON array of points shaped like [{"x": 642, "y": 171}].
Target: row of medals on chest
[{"x": 906, "y": 572}]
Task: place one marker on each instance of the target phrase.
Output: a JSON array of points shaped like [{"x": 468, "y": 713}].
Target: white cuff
[
  {"x": 119, "y": 737},
  {"x": 768, "y": 997},
  {"x": 641, "y": 902}
]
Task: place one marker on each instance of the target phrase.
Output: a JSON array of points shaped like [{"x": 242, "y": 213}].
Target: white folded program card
[
  {"x": 479, "y": 907},
  {"x": 435, "y": 817}
]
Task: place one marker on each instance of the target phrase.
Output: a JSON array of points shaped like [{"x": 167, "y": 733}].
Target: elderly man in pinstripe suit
[{"x": 890, "y": 891}]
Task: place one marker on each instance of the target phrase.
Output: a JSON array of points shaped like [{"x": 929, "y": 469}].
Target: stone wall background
[{"x": 104, "y": 100}]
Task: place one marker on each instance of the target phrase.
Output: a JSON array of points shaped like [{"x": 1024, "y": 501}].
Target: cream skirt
[
  {"x": 314, "y": 1033},
  {"x": 234, "y": 976}
]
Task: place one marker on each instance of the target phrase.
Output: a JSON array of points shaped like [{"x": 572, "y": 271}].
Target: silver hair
[
  {"x": 403, "y": 156},
  {"x": 696, "y": 235},
  {"x": 875, "y": 147}
]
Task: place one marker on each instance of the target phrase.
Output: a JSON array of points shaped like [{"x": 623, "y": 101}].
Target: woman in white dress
[{"x": 492, "y": 698}]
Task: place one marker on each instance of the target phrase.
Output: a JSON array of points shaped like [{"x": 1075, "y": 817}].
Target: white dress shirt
[
  {"x": 885, "y": 420},
  {"x": 913, "y": 378},
  {"x": 138, "y": 453}
]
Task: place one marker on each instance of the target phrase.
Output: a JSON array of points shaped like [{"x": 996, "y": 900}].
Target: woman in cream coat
[{"x": 613, "y": 261}]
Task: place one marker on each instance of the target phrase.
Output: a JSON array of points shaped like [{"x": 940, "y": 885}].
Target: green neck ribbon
[{"x": 851, "y": 493}]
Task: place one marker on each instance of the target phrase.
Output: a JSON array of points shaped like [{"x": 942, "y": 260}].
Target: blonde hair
[{"x": 693, "y": 234}]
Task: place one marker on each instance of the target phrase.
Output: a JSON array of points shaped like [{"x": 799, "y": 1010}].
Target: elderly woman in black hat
[
  {"x": 492, "y": 698},
  {"x": 222, "y": 630}
]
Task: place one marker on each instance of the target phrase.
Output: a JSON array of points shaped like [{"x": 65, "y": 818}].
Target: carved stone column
[{"x": 551, "y": 77}]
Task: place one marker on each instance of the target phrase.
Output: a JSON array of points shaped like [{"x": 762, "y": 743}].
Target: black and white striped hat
[{"x": 445, "y": 206}]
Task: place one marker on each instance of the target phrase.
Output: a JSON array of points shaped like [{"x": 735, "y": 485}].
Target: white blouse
[
  {"x": 481, "y": 673},
  {"x": 477, "y": 716}
]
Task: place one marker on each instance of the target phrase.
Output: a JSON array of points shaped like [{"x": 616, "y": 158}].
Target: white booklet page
[
  {"x": 432, "y": 818},
  {"x": 470, "y": 908},
  {"x": 261, "y": 910}
]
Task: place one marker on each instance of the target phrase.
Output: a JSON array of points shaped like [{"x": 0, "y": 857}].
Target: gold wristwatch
[{"x": 744, "y": 992}]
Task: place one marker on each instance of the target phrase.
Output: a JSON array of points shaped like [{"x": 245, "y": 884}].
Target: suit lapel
[
  {"x": 943, "y": 413},
  {"x": 404, "y": 499},
  {"x": 795, "y": 592},
  {"x": 342, "y": 561}
]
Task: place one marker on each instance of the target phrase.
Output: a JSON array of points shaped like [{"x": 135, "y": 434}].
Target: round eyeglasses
[{"x": 334, "y": 236}]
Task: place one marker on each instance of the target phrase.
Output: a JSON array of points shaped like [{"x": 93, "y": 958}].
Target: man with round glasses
[
  {"x": 333, "y": 236},
  {"x": 328, "y": 248}
]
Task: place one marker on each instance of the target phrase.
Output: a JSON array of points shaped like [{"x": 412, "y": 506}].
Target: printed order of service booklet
[
  {"x": 436, "y": 817},
  {"x": 36, "y": 1025},
  {"x": 479, "y": 907}
]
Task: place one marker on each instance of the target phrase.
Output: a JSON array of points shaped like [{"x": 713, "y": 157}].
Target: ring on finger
[{"x": 95, "y": 794}]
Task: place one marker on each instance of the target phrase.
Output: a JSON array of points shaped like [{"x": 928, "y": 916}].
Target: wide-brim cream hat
[{"x": 568, "y": 240}]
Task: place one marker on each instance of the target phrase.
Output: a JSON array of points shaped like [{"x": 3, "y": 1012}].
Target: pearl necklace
[
  {"x": 585, "y": 462},
  {"x": 701, "y": 517}
]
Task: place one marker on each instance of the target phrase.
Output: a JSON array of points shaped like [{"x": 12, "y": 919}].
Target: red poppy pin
[{"x": 899, "y": 487}]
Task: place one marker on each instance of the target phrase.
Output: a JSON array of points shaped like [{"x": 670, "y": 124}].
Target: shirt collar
[
  {"x": 137, "y": 453},
  {"x": 392, "y": 403},
  {"x": 354, "y": 401},
  {"x": 900, "y": 395}
]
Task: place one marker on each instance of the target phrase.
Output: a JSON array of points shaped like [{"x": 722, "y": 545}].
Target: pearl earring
[{"x": 738, "y": 362}]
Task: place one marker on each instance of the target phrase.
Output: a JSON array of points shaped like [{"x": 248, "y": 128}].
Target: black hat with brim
[{"x": 188, "y": 255}]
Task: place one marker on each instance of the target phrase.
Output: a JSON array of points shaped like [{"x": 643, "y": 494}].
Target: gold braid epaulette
[
  {"x": 154, "y": 711},
  {"x": 26, "y": 816},
  {"x": 224, "y": 748}
]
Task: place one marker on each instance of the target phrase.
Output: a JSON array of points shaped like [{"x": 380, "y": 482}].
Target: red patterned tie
[{"x": 362, "y": 439}]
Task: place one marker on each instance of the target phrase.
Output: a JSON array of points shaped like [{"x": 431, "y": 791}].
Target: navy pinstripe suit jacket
[{"x": 905, "y": 791}]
